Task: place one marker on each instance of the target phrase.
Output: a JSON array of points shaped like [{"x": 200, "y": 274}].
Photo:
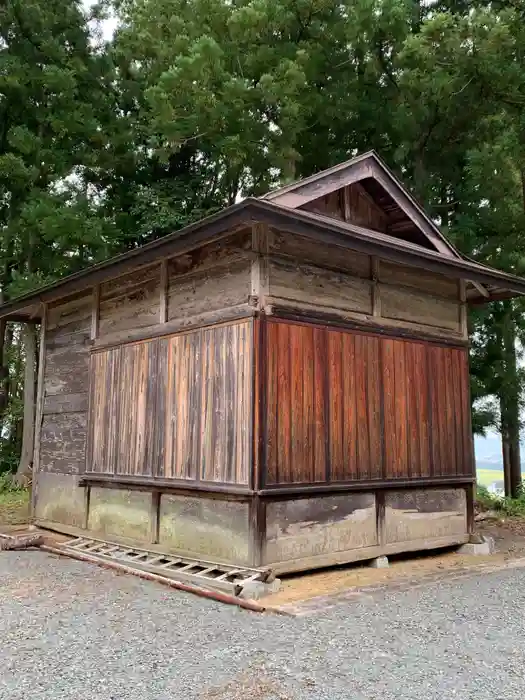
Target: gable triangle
[{"x": 365, "y": 192}]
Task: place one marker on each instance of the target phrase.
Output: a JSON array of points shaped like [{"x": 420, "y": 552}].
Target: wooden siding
[
  {"x": 130, "y": 301},
  {"x": 176, "y": 407},
  {"x": 305, "y": 283},
  {"x": 198, "y": 292},
  {"x": 65, "y": 386},
  {"x": 345, "y": 406},
  {"x": 307, "y": 276},
  {"x": 210, "y": 279},
  {"x": 417, "y": 307},
  {"x": 216, "y": 276},
  {"x": 439, "y": 285},
  {"x": 297, "y": 248},
  {"x": 352, "y": 204}
]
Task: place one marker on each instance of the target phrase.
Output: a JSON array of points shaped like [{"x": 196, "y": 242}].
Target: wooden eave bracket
[{"x": 480, "y": 288}]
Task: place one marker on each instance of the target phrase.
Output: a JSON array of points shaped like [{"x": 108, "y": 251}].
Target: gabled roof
[
  {"x": 380, "y": 182},
  {"x": 313, "y": 226}
]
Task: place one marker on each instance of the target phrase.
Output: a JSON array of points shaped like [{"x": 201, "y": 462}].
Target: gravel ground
[{"x": 72, "y": 630}]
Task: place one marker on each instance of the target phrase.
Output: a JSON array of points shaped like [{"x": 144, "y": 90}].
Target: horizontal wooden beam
[
  {"x": 359, "y": 324},
  {"x": 179, "y": 325},
  {"x": 144, "y": 483},
  {"x": 237, "y": 217},
  {"x": 351, "y": 237},
  {"x": 365, "y": 485}
]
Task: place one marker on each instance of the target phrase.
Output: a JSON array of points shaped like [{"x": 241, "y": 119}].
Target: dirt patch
[
  {"x": 508, "y": 534},
  {"x": 254, "y": 684}
]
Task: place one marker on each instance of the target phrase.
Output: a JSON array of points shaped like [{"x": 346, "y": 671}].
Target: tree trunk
[
  {"x": 510, "y": 407},
  {"x": 28, "y": 435}
]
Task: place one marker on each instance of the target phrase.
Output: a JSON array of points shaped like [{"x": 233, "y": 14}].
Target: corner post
[
  {"x": 95, "y": 312},
  {"x": 28, "y": 434},
  {"x": 39, "y": 408},
  {"x": 260, "y": 287}
]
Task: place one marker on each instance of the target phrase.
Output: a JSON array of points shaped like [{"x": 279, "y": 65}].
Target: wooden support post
[
  {"x": 95, "y": 312},
  {"x": 346, "y": 204},
  {"x": 463, "y": 309},
  {"x": 87, "y": 499},
  {"x": 28, "y": 435},
  {"x": 163, "y": 308},
  {"x": 376, "y": 295},
  {"x": 39, "y": 408},
  {"x": 154, "y": 517},
  {"x": 260, "y": 287}
]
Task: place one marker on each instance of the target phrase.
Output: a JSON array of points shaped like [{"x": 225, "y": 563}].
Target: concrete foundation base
[
  {"x": 380, "y": 563},
  {"x": 257, "y": 589},
  {"x": 480, "y": 548},
  {"x": 285, "y": 534}
]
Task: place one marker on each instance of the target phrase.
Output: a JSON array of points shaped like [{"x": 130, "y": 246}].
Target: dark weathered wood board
[
  {"x": 175, "y": 407},
  {"x": 310, "y": 276},
  {"x": 63, "y": 443},
  {"x": 352, "y": 204},
  {"x": 344, "y": 406},
  {"x": 130, "y": 301},
  {"x": 62, "y": 434}
]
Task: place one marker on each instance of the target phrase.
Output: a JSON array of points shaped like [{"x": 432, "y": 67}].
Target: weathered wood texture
[
  {"x": 352, "y": 204},
  {"x": 65, "y": 386},
  {"x": 130, "y": 301},
  {"x": 216, "y": 276},
  {"x": 345, "y": 406},
  {"x": 176, "y": 407},
  {"x": 212, "y": 278},
  {"x": 310, "y": 527},
  {"x": 306, "y": 275}
]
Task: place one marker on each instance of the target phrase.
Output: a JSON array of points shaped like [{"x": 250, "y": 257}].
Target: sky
[{"x": 109, "y": 26}]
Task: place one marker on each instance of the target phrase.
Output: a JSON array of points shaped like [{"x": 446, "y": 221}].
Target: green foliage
[
  {"x": 484, "y": 499},
  {"x": 510, "y": 507}
]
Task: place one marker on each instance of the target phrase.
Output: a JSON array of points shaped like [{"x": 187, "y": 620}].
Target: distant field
[{"x": 487, "y": 476}]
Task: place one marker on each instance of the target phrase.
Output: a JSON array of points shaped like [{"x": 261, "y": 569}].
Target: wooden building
[{"x": 284, "y": 383}]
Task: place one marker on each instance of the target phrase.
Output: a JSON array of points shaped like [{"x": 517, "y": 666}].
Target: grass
[{"x": 14, "y": 502}]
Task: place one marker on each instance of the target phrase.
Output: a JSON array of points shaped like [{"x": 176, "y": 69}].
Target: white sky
[{"x": 108, "y": 27}]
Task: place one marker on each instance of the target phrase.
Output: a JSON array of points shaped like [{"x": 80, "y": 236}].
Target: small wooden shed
[{"x": 284, "y": 383}]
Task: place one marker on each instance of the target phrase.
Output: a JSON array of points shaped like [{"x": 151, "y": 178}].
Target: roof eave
[
  {"x": 178, "y": 242},
  {"x": 306, "y": 224}
]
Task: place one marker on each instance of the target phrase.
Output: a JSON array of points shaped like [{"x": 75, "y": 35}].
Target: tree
[{"x": 55, "y": 106}]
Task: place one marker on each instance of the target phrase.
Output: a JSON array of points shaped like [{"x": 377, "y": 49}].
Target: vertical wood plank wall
[
  {"x": 345, "y": 406},
  {"x": 177, "y": 407}
]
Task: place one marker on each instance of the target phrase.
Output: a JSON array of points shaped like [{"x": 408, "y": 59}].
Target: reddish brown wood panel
[
  {"x": 345, "y": 406},
  {"x": 450, "y": 412},
  {"x": 175, "y": 407},
  {"x": 405, "y": 401},
  {"x": 323, "y": 405}
]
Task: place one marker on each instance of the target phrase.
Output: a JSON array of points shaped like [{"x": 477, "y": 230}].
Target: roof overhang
[{"x": 313, "y": 226}]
